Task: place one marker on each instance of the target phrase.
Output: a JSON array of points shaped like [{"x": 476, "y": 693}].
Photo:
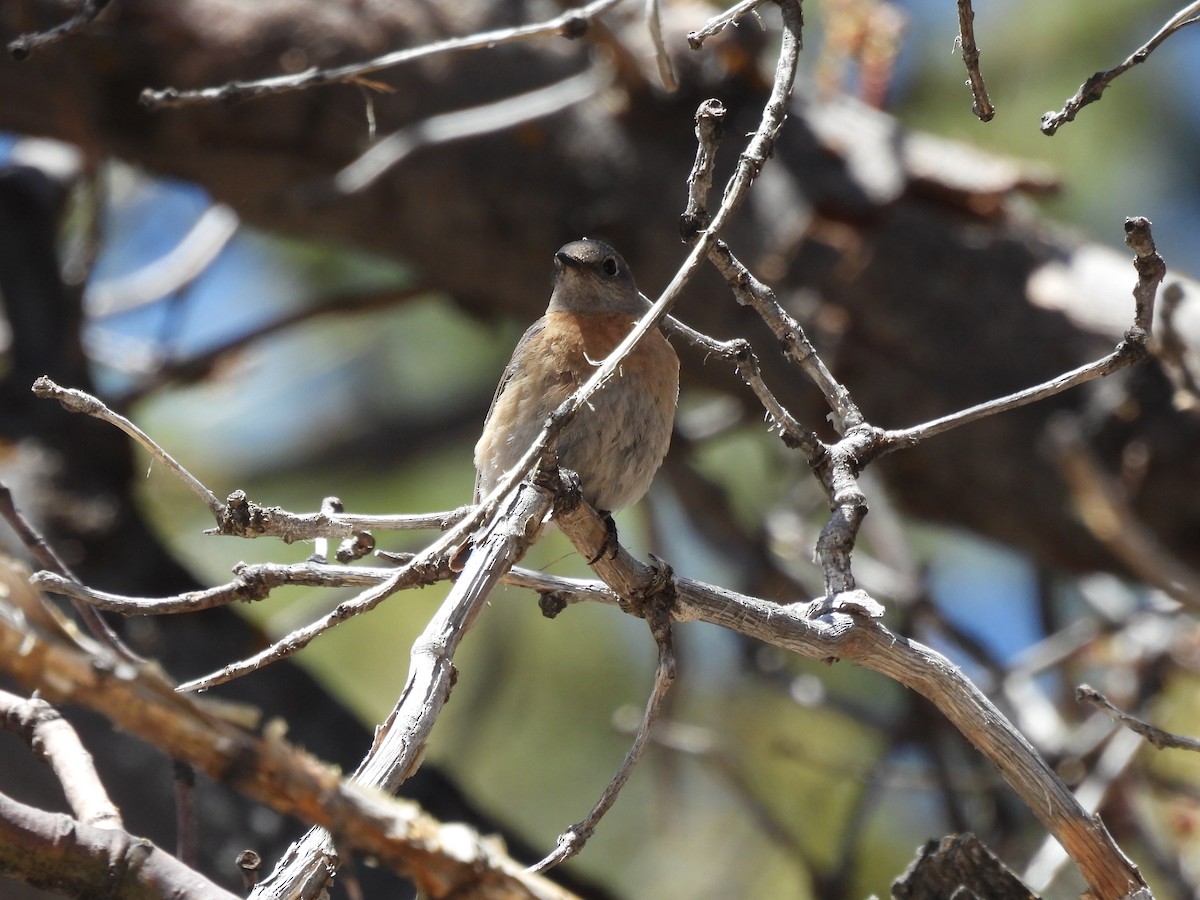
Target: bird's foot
[{"x": 610, "y": 546}]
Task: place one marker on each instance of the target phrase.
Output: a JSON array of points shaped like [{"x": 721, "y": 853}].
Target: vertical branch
[{"x": 982, "y": 107}]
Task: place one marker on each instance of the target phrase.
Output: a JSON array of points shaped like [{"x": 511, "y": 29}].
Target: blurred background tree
[{"x": 296, "y": 342}]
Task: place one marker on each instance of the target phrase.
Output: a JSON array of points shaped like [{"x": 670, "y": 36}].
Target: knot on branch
[
  {"x": 655, "y": 600},
  {"x": 563, "y": 484},
  {"x": 1134, "y": 348},
  {"x": 575, "y": 27},
  {"x": 691, "y": 224},
  {"x": 356, "y": 547},
  {"x": 551, "y": 603},
  {"x": 241, "y": 516}
]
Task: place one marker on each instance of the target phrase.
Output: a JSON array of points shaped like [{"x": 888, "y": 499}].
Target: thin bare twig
[
  {"x": 982, "y": 107},
  {"x": 794, "y": 343},
  {"x": 45, "y": 555},
  {"x": 407, "y": 576},
  {"x": 255, "y": 581},
  {"x": 666, "y": 71},
  {"x": 719, "y": 22},
  {"x": 80, "y": 402},
  {"x": 1092, "y": 89},
  {"x": 1160, "y": 738},
  {"x": 22, "y": 46},
  {"x": 1127, "y": 353},
  {"x": 572, "y": 23},
  {"x": 1132, "y": 350},
  {"x": 1172, "y": 351},
  {"x": 1106, "y": 513},
  {"x": 172, "y": 272},
  {"x": 572, "y": 841},
  {"x": 747, "y": 289},
  {"x": 741, "y": 354},
  {"x": 466, "y": 123}
]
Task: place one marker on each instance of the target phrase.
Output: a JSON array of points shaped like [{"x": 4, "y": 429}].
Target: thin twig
[
  {"x": 719, "y": 22},
  {"x": 747, "y": 289},
  {"x": 982, "y": 107},
  {"x": 1172, "y": 350},
  {"x": 1126, "y": 354},
  {"x": 572, "y": 841},
  {"x": 1092, "y": 89},
  {"x": 741, "y": 354},
  {"x": 170, "y": 273},
  {"x": 80, "y": 402},
  {"x": 666, "y": 71},
  {"x": 571, "y": 23},
  {"x": 1106, "y": 513},
  {"x": 1151, "y": 270},
  {"x": 45, "y": 555},
  {"x": 794, "y": 343},
  {"x": 466, "y": 123},
  {"x": 22, "y": 46},
  {"x": 253, "y": 582},
  {"x": 1132, "y": 350},
  {"x": 710, "y": 128},
  {"x": 407, "y": 576},
  {"x": 1160, "y": 738}
]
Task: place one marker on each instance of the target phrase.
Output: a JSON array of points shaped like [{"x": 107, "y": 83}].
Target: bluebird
[{"x": 619, "y": 440}]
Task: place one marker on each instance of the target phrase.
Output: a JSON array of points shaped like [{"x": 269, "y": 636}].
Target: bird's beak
[{"x": 565, "y": 259}]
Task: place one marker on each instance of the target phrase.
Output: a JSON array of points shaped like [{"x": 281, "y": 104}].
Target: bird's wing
[{"x": 518, "y": 353}]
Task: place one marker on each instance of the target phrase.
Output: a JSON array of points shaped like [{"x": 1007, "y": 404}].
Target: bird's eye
[{"x": 610, "y": 266}]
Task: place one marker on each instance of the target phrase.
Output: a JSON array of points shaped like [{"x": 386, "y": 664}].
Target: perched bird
[{"x": 618, "y": 442}]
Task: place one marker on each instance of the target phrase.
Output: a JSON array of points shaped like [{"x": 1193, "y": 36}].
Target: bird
[{"x": 617, "y": 442}]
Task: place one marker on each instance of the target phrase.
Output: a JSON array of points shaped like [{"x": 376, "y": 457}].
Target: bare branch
[
  {"x": 399, "y": 745},
  {"x": 1171, "y": 350},
  {"x": 21, "y": 47},
  {"x": 1132, "y": 350},
  {"x": 749, "y": 291},
  {"x": 265, "y": 768},
  {"x": 816, "y": 632},
  {"x": 79, "y": 402},
  {"x": 255, "y": 581},
  {"x": 1160, "y": 738},
  {"x": 572, "y": 23},
  {"x": 1106, "y": 513},
  {"x": 574, "y": 838},
  {"x": 42, "y": 552},
  {"x": 666, "y": 72},
  {"x": 465, "y": 123},
  {"x": 52, "y": 738},
  {"x": 982, "y": 107},
  {"x": 1092, "y": 89},
  {"x": 51, "y": 849},
  {"x": 794, "y": 343},
  {"x": 719, "y": 22}
]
